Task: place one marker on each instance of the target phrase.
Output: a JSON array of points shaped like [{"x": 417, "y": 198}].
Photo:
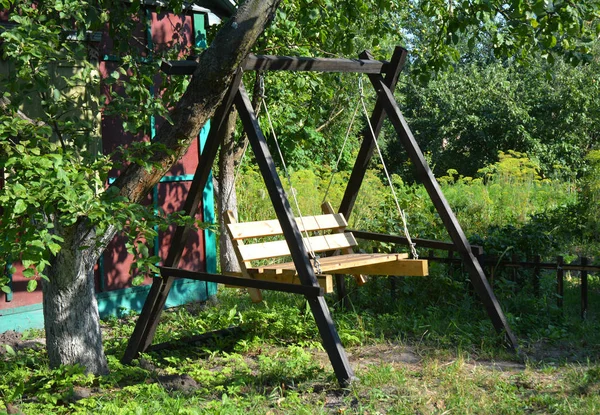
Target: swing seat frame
[{"x": 336, "y": 240}]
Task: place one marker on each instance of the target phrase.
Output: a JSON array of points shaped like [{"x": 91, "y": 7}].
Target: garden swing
[
  {"x": 383, "y": 76},
  {"x": 338, "y": 243}
]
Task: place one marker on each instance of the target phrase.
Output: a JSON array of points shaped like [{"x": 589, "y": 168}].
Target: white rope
[
  {"x": 306, "y": 241},
  {"x": 337, "y": 163},
  {"x": 387, "y": 174}
]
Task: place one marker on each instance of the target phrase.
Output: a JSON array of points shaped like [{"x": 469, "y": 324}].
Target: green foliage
[
  {"x": 521, "y": 30},
  {"x": 426, "y": 350},
  {"x": 50, "y": 145},
  {"x": 590, "y": 196},
  {"x": 463, "y": 119}
]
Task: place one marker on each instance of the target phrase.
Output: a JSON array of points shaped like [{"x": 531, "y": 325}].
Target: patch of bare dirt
[{"x": 16, "y": 341}]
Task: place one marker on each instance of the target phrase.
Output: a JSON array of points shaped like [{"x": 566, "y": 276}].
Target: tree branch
[{"x": 214, "y": 73}]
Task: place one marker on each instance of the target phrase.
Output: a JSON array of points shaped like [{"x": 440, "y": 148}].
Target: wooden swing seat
[{"x": 336, "y": 241}]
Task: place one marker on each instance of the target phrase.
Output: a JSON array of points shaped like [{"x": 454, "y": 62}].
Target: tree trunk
[
  {"x": 70, "y": 310},
  {"x": 227, "y": 198},
  {"x": 230, "y": 155},
  {"x": 71, "y": 318}
]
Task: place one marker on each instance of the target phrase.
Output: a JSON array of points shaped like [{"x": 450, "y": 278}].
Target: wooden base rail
[{"x": 243, "y": 282}]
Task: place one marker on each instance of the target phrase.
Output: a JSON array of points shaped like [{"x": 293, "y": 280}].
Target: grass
[
  {"x": 412, "y": 355},
  {"x": 427, "y": 349}
]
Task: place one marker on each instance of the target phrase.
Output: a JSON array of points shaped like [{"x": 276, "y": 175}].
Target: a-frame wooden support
[
  {"x": 386, "y": 102},
  {"x": 386, "y": 106}
]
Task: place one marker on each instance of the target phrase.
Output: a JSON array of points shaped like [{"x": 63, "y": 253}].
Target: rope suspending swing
[
  {"x": 361, "y": 103},
  {"x": 313, "y": 256},
  {"x": 315, "y": 259}
]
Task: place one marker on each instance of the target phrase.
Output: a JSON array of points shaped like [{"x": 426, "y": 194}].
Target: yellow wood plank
[
  {"x": 255, "y": 294},
  {"x": 275, "y": 249},
  {"x": 404, "y": 267},
  {"x": 339, "y": 264},
  {"x": 328, "y": 209},
  {"x": 259, "y": 229}
]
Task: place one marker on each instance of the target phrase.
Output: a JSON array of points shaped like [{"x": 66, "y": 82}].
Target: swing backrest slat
[
  {"x": 259, "y": 229},
  {"x": 243, "y": 232},
  {"x": 276, "y": 249}
]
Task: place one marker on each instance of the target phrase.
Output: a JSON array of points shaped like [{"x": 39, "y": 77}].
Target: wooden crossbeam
[
  {"x": 274, "y": 284},
  {"x": 325, "y": 280},
  {"x": 288, "y": 63},
  {"x": 293, "y": 63},
  {"x": 423, "y": 243}
]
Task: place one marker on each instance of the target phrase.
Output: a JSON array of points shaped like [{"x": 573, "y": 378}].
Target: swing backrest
[{"x": 244, "y": 231}]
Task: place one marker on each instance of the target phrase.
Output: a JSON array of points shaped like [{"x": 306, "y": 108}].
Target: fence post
[
  {"x": 560, "y": 275},
  {"x": 478, "y": 252},
  {"x": 515, "y": 270},
  {"x": 584, "y": 288},
  {"x": 536, "y": 275}
]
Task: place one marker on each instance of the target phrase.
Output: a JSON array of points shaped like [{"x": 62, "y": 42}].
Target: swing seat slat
[
  {"x": 377, "y": 264},
  {"x": 338, "y": 241}
]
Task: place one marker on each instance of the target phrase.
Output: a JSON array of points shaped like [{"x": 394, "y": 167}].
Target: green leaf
[
  {"x": 137, "y": 280},
  {"x": 6, "y": 289},
  {"x": 54, "y": 247},
  {"x": 20, "y": 207},
  {"x": 31, "y": 285},
  {"x": 143, "y": 250},
  {"x": 9, "y": 350},
  {"x": 29, "y": 273}
]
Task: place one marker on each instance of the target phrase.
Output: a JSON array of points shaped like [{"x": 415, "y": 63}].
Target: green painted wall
[{"x": 111, "y": 303}]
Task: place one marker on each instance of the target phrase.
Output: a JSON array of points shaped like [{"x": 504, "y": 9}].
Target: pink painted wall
[{"x": 168, "y": 31}]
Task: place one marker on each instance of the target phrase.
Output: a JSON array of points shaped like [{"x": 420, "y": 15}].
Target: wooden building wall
[{"x": 21, "y": 310}]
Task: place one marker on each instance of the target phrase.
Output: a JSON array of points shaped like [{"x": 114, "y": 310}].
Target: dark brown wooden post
[
  {"x": 367, "y": 147},
  {"x": 536, "y": 275},
  {"x": 331, "y": 340},
  {"x": 560, "y": 275},
  {"x": 147, "y": 323},
  {"x": 584, "y": 288},
  {"x": 454, "y": 229}
]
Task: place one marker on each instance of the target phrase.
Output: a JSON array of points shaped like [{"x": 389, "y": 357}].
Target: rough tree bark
[
  {"x": 70, "y": 310},
  {"x": 230, "y": 155},
  {"x": 227, "y": 196}
]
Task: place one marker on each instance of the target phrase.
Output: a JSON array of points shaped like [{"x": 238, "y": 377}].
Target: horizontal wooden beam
[
  {"x": 179, "y": 67},
  {"x": 243, "y": 282},
  {"x": 287, "y": 63},
  {"x": 293, "y": 63},
  {"x": 424, "y": 243},
  {"x": 325, "y": 281}
]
